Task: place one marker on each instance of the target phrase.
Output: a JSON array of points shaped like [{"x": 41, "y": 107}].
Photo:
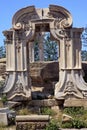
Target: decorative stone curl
[{"x": 17, "y": 26}]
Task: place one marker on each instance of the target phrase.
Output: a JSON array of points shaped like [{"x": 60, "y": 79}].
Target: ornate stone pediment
[{"x": 61, "y": 17}]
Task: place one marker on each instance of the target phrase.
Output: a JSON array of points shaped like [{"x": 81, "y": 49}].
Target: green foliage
[
  {"x": 76, "y": 123},
  {"x": 73, "y": 111},
  {"x": 66, "y": 125},
  {"x": 50, "y": 49},
  {"x": 23, "y": 111},
  {"x": 79, "y": 115},
  {"x": 47, "y": 111},
  {"x": 84, "y": 36},
  {"x": 36, "y": 51},
  {"x": 2, "y": 52},
  {"x": 2, "y": 83},
  {"x": 84, "y": 55},
  {"x": 4, "y": 98},
  {"x": 53, "y": 125}
]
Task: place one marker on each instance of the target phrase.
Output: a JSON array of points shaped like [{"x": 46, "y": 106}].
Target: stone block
[
  {"x": 7, "y": 116},
  {"x": 32, "y": 122},
  {"x": 3, "y": 119},
  {"x": 66, "y": 118},
  {"x": 75, "y": 103}
]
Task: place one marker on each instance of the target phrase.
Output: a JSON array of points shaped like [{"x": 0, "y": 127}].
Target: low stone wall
[{"x": 32, "y": 122}]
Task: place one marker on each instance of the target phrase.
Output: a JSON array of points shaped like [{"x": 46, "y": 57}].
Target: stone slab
[
  {"x": 30, "y": 118},
  {"x": 3, "y": 119},
  {"x": 45, "y": 102},
  {"x": 75, "y": 103}
]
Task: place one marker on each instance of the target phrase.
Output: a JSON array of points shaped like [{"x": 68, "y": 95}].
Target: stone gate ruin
[{"x": 28, "y": 22}]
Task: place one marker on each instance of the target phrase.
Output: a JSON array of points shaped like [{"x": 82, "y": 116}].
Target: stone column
[
  {"x": 71, "y": 83},
  {"x": 31, "y": 51},
  {"x": 18, "y": 85},
  {"x": 41, "y": 46}
]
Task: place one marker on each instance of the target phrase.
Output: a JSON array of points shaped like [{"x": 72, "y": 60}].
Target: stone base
[
  {"x": 32, "y": 122},
  {"x": 46, "y": 103},
  {"x": 75, "y": 103}
]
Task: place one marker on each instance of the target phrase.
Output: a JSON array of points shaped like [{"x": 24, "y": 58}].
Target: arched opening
[
  {"x": 44, "y": 54},
  {"x": 48, "y": 46},
  {"x": 43, "y": 47}
]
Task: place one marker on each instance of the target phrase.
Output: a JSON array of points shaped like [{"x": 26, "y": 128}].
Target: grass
[
  {"x": 79, "y": 115},
  {"x": 47, "y": 111}
]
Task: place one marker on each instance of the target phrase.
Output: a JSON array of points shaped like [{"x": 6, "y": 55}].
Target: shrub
[
  {"x": 74, "y": 111},
  {"x": 47, "y": 111},
  {"x": 67, "y": 125},
  {"x": 2, "y": 82},
  {"x": 23, "y": 111},
  {"x": 76, "y": 123},
  {"x": 4, "y": 98},
  {"x": 79, "y": 115},
  {"x": 53, "y": 125}
]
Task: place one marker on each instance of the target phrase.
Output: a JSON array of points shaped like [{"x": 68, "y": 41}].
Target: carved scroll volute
[
  {"x": 62, "y": 21},
  {"x": 27, "y": 29},
  {"x": 57, "y": 33},
  {"x": 18, "y": 26},
  {"x": 63, "y": 17}
]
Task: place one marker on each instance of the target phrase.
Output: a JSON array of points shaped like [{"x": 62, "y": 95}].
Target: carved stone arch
[{"x": 24, "y": 23}]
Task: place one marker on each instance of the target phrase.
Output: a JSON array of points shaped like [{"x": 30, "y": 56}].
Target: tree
[
  {"x": 36, "y": 50},
  {"x": 84, "y": 37},
  {"x": 50, "y": 49},
  {"x": 84, "y": 43},
  {"x": 84, "y": 55},
  {"x": 2, "y": 52}
]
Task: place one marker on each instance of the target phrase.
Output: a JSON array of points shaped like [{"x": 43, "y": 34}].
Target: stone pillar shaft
[{"x": 41, "y": 46}]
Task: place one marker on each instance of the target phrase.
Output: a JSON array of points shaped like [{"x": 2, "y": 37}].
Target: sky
[{"x": 78, "y": 9}]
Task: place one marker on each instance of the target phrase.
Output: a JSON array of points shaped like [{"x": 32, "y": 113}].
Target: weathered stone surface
[
  {"x": 42, "y": 71},
  {"x": 66, "y": 118},
  {"x": 32, "y": 122},
  {"x": 44, "y": 75},
  {"x": 3, "y": 119},
  {"x": 39, "y": 103},
  {"x": 32, "y": 118},
  {"x": 6, "y": 116},
  {"x": 75, "y": 103}
]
